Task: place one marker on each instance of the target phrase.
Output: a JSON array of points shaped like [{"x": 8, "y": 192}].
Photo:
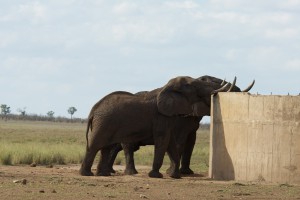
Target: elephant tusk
[
  {"x": 223, "y": 82},
  {"x": 249, "y": 87},
  {"x": 220, "y": 89},
  {"x": 232, "y": 85}
]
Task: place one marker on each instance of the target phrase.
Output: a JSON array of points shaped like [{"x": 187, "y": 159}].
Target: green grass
[{"x": 25, "y": 142}]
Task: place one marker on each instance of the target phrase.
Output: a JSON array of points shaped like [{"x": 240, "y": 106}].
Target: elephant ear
[{"x": 171, "y": 103}]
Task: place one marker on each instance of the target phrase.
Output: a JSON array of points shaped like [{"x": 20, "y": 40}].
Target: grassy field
[{"x": 44, "y": 143}]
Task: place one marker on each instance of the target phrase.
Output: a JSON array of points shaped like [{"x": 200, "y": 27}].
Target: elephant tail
[{"x": 89, "y": 126}]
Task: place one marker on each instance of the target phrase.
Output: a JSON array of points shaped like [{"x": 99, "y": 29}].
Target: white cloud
[
  {"x": 233, "y": 17},
  {"x": 289, "y": 3},
  {"x": 287, "y": 33},
  {"x": 34, "y": 12},
  {"x": 141, "y": 32},
  {"x": 33, "y": 9},
  {"x": 226, "y": 3},
  {"x": 182, "y": 4},
  {"x": 125, "y": 8},
  {"x": 270, "y": 57},
  {"x": 231, "y": 54},
  {"x": 271, "y": 20},
  {"x": 127, "y": 51},
  {"x": 293, "y": 65},
  {"x": 7, "y": 39},
  {"x": 32, "y": 66}
]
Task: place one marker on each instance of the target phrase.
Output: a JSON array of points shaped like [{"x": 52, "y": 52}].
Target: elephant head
[
  {"x": 230, "y": 88},
  {"x": 198, "y": 107},
  {"x": 187, "y": 96}
]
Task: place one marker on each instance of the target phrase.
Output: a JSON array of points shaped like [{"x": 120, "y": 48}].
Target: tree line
[{"x": 49, "y": 116}]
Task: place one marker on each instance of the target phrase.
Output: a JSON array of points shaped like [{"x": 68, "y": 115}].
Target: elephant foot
[
  {"x": 112, "y": 171},
  {"x": 186, "y": 171},
  {"x": 130, "y": 171},
  {"x": 155, "y": 174},
  {"x": 85, "y": 172},
  {"x": 103, "y": 173},
  {"x": 175, "y": 175}
]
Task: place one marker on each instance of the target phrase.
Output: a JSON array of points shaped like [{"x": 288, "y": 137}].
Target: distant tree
[
  {"x": 4, "y": 111},
  {"x": 71, "y": 111},
  {"x": 22, "y": 111},
  {"x": 50, "y": 114}
]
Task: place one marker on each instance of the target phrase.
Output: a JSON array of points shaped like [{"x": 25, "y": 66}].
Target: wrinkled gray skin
[
  {"x": 184, "y": 132},
  {"x": 122, "y": 117}
]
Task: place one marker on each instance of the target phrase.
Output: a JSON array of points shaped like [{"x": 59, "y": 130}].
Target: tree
[
  {"x": 50, "y": 114},
  {"x": 71, "y": 111},
  {"x": 5, "y": 110},
  {"x": 22, "y": 111}
]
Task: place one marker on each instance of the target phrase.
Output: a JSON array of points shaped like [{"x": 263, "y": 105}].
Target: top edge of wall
[{"x": 263, "y": 95}]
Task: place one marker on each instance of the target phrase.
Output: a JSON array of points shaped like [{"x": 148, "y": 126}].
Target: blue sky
[{"x": 56, "y": 54}]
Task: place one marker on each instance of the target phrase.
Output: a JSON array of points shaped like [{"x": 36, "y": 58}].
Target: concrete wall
[{"x": 255, "y": 137}]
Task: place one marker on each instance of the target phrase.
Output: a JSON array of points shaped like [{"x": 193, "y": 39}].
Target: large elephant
[
  {"x": 122, "y": 117},
  {"x": 184, "y": 132}
]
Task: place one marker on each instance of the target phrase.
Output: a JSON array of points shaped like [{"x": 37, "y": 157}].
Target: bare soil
[{"x": 64, "y": 182}]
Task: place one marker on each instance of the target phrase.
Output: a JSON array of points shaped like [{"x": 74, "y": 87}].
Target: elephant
[
  {"x": 122, "y": 117},
  {"x": 191, "y": 140},
  {"x": 185, "y": 133}
]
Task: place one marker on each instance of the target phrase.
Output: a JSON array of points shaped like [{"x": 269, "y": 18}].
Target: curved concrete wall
[{"x": 255, "y": 137}]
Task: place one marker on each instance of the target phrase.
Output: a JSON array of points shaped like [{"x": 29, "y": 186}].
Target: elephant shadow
[
  {"x": 221, "y": 165},
  {"x": 195, "y": 175}
]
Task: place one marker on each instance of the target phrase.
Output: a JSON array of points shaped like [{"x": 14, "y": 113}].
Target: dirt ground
[{"x": 64, "y": 182}]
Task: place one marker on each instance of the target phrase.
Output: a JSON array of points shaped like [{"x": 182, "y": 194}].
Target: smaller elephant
[{"x": 122, "y": 117}]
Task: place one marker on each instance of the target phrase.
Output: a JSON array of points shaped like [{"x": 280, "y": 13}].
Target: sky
[{"x": 57, "y": 54}]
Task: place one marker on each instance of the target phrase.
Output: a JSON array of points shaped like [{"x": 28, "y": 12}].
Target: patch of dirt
[{"x": 64, "y": 182}]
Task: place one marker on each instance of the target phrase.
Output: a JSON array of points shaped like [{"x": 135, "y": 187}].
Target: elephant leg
[
  {"x": 86, "y": 166},
  {"x": 160, "y": 147},
  {"x": 103, "y": 168},
  {"x": 174, "y": 157},
  {"x": 187, "y": 154},
  {"x": 112, "y": 156},
  {"x": 129, "y": 156},
  {"x": 179, "y": 148}
]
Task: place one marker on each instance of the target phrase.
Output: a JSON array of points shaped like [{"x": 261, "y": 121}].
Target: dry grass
[{"x": 25, "y": 142}]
